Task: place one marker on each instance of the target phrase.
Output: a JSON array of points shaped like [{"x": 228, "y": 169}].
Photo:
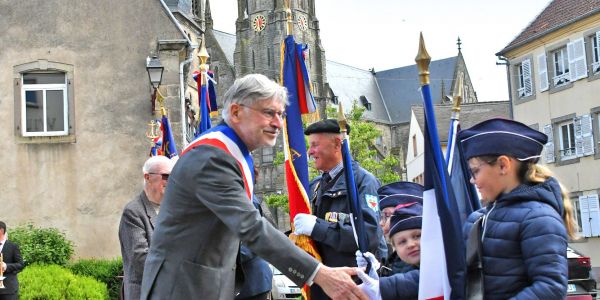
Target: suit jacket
[
  {"x": 204, "y": 215},
  {"x": 14, "y": 264},
  {"x": 135, "y": 234}
]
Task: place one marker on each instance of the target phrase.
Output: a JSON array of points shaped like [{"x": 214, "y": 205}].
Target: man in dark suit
[
  {"x": 207, "y": 209},
  {"x": 11, "y": 265},
  {"x": 137, "y": 223}
]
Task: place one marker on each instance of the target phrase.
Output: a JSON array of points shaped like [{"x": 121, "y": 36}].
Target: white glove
[
  {"x": 370, "y": 285},
  {"x": 361, "y": 262},
  {"x": 304, "y": 224}
]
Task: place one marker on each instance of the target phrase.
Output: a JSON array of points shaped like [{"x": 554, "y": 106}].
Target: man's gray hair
[
  {"x": 152, "y": 163},
  {"x": 250, "y": 89}
]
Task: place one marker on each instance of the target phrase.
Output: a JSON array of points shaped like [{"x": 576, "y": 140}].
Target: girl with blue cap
[{"x": 523, "y": 230}]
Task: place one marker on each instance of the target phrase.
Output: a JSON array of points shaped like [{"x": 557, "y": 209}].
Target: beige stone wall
[{"x": 81, "y": 187}]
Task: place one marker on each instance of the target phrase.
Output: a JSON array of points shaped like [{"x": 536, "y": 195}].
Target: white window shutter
[
  {"x": 577, "y": 61},
  {"x": 543, "y": 72},
  {"x": 584, "y": 211},
  {"x": 526, "y": 64},
  {"x": 594, "y": 208},
  {"x": 587, "y": 135},
  {"x": 578, "y": 136},
  {"x": 549, "y": 147}
]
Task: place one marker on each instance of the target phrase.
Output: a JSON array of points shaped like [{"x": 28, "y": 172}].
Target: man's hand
[
  {"x": 370, "y": 284},
  {"x": 337, "y": 283},
  {"x": 304, "y": 224},
  {"x": 3, "y": 266}
]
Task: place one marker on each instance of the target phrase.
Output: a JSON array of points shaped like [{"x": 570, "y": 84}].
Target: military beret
[
  {"x": 325, "y": 126},
  {"x": 406, "y": 216},
  {"x": 502, "y": 137},
  {"x": 392, "y": 194}
]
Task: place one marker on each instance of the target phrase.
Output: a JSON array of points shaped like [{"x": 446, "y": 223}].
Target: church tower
[{"x": 260, "y": 31}]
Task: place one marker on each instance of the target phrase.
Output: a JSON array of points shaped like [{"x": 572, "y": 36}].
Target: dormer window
[{"x": 365, "y": 102}]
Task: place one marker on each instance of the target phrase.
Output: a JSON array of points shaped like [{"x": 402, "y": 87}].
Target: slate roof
[
  {"x": 400, "y": 86},
  {"x": 226, "y": 42},
  {"x": 470, "y": 114},
  {"x": 558, "y": 14},
  {"x": 349, "y": 83}
]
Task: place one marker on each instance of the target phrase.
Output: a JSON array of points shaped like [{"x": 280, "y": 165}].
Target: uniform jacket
[
  {"x": 524, "y": 243},
  {"x": 258, "y": 277},
  {"x": 335, "y": 239},
  {"x": 400, "y": 286},
  {"x": 204, "y": 215},
  {"x": 135, "y": 234},
  {"x": 14, "y": 264}
]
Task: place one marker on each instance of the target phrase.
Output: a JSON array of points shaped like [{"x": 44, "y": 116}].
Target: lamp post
[{"x": 155, "y": 71}]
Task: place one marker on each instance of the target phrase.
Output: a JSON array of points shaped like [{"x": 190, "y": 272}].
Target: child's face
[{"x": 408, "y": 245}]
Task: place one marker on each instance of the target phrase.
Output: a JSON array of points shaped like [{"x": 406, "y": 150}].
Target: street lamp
[{"x": 155, "y": 71}]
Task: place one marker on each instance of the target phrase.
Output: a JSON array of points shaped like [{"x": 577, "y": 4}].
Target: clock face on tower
[
  {"x": 259, "y": 22},
  {"x": 302, "y": 22}
]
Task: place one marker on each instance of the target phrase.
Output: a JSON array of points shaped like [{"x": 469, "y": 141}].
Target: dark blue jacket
[
  {"x": 400, "y": 286},
  {"x": 524, "y": 243},
  {"x": 335, "y": 239},
  {"x": 258, "y": 277}
]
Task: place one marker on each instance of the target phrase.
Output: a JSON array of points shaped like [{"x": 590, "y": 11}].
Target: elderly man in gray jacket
[
  {"x": 207, "y": 209},
  {"x": 137, "y": 223}
]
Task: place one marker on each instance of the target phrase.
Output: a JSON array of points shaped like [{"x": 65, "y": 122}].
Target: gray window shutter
[
  {"x": 577, "y": 61},
  {"x": 549, "y": 147},
  {"x": 584, "y": 211},
  {"x": 578, "y": 136},
  {"x": 543, "y": 72},
  {"x": 594, "y": 219},
  {"x": 587, "y": 135},
  {"x": 596, "y": 65},
  {"x": 527, "y": 77}
]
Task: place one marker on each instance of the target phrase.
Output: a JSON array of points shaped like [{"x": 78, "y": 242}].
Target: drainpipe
[
  {"x": 182, "y": 95},
  {"x": 504, "y": 61}
]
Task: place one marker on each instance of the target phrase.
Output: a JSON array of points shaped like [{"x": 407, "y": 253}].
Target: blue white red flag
[
  {"x": 443, "y": 266},
  {"x": 464, "y": 191},
  {"x": 207, "y": 100},
  {"x": 294, "y": 76}
]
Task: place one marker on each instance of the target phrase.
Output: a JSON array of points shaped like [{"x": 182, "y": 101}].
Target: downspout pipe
[{"x": 504, "y": 61}]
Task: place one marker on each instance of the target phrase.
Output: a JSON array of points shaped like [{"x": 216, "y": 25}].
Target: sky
[{"x": 384, "y": 34}]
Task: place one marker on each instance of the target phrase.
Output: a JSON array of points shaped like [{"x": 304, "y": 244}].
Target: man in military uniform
[{"x": 329, "y": 226}]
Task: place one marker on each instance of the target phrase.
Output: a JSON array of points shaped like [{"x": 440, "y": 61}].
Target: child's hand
[
  {"x": 370, "y": 285},
  {"x": 361, "y": 261}
]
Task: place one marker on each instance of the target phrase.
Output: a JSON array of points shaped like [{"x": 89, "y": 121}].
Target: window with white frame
[
  {"x": 44, "y": 109},
  {"x": 566, "y": 136},
  {"x": 595, "y": 42},
  {"x": 589, "y": 215},
  {"x": 525, "y": 87},
  {"x": 560, "y": 63},
  {"x": 577, "y": 213}
]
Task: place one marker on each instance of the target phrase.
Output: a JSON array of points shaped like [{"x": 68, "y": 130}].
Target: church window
[
  {"x": 253, "y": 61},
  {"x": 196, "y": 9}
]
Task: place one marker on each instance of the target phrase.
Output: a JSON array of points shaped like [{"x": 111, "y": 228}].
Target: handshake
[{"x": 370, "y": 285}]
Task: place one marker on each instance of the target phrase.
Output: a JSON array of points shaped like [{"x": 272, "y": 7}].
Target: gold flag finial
[
  {"x": 457, "y": 95},
  {"x": 288, "y": 13},
  {"x": 423, "y": 59},
  {"x": 342, "y": 120}
]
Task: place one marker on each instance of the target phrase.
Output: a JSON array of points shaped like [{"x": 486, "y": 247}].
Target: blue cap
[
  {"x": 406, "y": 216},
  {"x": 325, "y": 126},
  {"x": 390, "y": 195},
  {"x": 502, "y": 137}
]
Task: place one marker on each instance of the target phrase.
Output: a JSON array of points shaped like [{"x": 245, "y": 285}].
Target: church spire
[{"x": 208, "y": 16}]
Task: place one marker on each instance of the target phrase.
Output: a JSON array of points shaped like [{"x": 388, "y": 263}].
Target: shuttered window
[
  {"x": 595, "y": 39},
  {"x": 525, "y": 88},
  {"x": 560, "y": 64},
  {"x": 543, "y": 72},
  {"x": 577, "y": 60},
  {"x": 589, "y": 215}
]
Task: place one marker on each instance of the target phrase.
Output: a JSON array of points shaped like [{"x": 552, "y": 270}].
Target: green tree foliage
[
  {"x": 51, "y": 282},
  {"x": 42, "y": 245},
  {"x": 277, "y": 200},
  {"x": 103, "y": 270}
]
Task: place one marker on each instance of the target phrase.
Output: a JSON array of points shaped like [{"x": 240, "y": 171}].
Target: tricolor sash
[{"x": 225, "y": 138}]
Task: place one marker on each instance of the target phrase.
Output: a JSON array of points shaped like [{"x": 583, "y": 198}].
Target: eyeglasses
[
  {"x": 164, "y": 176},
  {"x": 475, "y": 170},
  {"x": 268, "y": 113}
]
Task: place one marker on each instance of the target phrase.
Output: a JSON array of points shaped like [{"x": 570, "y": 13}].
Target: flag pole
[
  {"x": 289, "y": 28},
  {"x": 203, "y": 57},
  {"x": 457, "y": 98}
]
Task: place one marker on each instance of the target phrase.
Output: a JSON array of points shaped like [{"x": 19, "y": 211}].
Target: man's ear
[{"x": 234, "y": 111}]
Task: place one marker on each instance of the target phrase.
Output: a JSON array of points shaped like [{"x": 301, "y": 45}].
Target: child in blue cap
[
  {"x": 405, "y": 235},
  {"x": 527, "y": 220}
]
